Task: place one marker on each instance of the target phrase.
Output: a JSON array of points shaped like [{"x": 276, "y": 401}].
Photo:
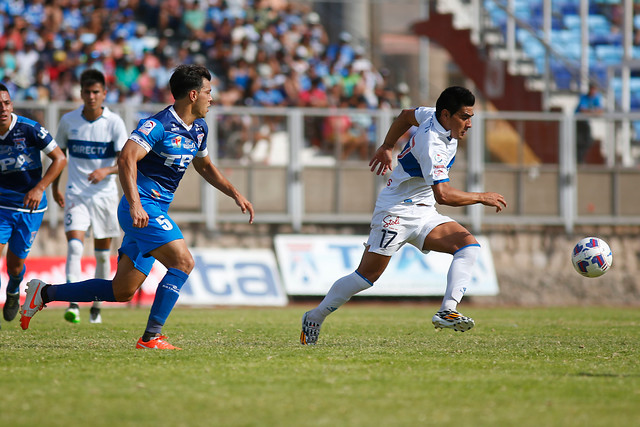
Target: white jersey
[
  {"x": 424, "y": 161},
  {"x": 90, "y": 146}
]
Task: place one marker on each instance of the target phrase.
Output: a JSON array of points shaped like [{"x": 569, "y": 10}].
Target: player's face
[
  {"x": 458, "y": 123},
  {"x": 6, "y": 108},
  {"x": 93, "y": 96},
  {"x": 204, "y": 99}
]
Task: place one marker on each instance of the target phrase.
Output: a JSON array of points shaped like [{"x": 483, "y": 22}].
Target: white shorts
[
  {"x": 406, "y": 223},
  {"x": 98, "y": 213}
]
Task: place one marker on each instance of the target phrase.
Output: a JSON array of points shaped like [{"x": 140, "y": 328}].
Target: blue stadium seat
[{"x": 609, "y": 54}]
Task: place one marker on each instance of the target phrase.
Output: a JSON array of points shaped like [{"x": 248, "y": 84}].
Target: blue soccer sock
[
  {"x": 85, "y": 291},
  {"x": 14, "y": 281},
  {"x": 166, "y": 296}
]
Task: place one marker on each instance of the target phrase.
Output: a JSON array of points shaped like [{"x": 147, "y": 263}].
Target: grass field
[{"x": 374, "y": 365}]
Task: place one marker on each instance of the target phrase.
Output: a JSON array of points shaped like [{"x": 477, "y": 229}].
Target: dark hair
[
  {"x": 90, "y": 77},
  {"x": 453, "y": 98},
  {"x": 3, "y": 88},
  {"x": 186, "y": 78}
]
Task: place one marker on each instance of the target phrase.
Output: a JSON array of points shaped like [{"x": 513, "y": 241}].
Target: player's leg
[
  {"x": 176, "y": 257},
  {"x": 104, "y": 222},
  {"x": 372, "y": 265},
  {"x": 102, "y": 252},
  {"x": 25, "y": 226},
  {"x": 77, "y": 221},
  {"x": 2, "y": 245},
  {"x": 453, "y": 238},
  {"x": 73, "y": 269},
  {"x": 122, "y": 288},
  {"x": 6, "y": 229},
  {"x": 15, "y": 270},
  {"x": 384, "y": 240}
]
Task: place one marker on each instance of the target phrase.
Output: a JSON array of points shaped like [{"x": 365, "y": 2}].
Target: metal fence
[{"x": 311, "y": 166}]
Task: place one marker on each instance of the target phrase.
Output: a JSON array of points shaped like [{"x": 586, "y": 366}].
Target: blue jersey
[
  {"x": 171, "y": 145},
  {"x": 20, "y": 163}
]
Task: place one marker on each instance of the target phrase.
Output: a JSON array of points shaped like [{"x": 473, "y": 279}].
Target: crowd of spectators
[{"x": 261, "y": 52}]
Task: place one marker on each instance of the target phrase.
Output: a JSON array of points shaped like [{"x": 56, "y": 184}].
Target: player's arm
[
  {"x": 383, "y": 157},
  {"x": 128, "y": 173},
  {"x": 212, "y": 175},
  {"x": 445, "y": 194},
  {"x": 58, "y": 161},
  {"x": 58, "y": 196}
]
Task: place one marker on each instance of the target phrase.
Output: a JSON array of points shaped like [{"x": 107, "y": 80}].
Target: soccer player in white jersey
[
  {"x": 22, "y": 185},
  {"x": 93, "y": 136},
  {"x": 152, "y": 163},
  {"x": 405, "y": 210}
]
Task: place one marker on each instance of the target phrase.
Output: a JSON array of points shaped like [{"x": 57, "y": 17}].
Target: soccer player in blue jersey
[
  {"x": 22, "y": 186},
  {"x": 405, "y": 210},
  {"x": 150, "y": 166},
  {"x": 93, "y": 135}
]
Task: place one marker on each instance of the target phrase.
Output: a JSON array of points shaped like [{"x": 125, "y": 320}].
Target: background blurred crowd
[{"x": 262, "y": 52}]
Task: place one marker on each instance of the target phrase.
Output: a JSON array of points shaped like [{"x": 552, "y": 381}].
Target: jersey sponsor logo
[
  {"x": 439, "y": 171},
  {"x": 439, "y": 158},
  {"x": 155, "y": 194},
  {"x": 181, "y": 160},
  {"x": 390, "y": 222},
  {"x": 15, "y": 163},
  {"x": 147, "y": 127},
  {"x": 200, "y": 138},
  {"x": 176, "y": 142},
  {"x": 189, "y": 144},
  {"x": 91, "y": 149}
]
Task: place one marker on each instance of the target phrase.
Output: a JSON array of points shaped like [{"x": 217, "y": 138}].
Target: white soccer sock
[
  {"x": 73, "y": 269},
  {"x": 103, "y": 264},
  {"x": 459, "y": 276},
  {"x": 341, "y": 292},
  {"x": 103, "y": 268}
]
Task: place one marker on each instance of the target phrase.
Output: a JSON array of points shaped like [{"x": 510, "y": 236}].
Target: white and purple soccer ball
[{"x": 592, "y": 257}]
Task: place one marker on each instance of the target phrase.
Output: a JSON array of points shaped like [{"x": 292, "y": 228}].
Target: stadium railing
[{"x": 293, "y": 168}]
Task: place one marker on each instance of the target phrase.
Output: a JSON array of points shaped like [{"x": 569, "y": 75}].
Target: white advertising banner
[
  {"x": 310, "y": 264},
  {"x": 232, "y": 277}
]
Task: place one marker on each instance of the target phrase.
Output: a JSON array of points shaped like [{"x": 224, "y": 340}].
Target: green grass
[{"x": 379, "y": 365}]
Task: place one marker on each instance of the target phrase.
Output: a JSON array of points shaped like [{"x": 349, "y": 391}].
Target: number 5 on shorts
[
  {"x": 387, "y": 233},
  {"x": 164, "y": 223}
]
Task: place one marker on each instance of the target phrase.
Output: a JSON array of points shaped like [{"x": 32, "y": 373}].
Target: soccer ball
[{"x": 592, "y": 257}]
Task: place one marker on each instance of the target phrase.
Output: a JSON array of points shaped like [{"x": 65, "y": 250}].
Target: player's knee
[
  {"x": 184, "y": 263},
  {"x": 124, "y": 295}
]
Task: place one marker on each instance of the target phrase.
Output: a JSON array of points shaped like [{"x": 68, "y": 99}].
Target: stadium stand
[
  {"x": 605, "y": 39},
  {"x": 261, "y": 52}
]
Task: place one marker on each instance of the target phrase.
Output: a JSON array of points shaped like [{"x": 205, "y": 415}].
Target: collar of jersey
[
  {"x": 14, "y": 119},
  {"x": 173, "y": 111},
  {"x": 441, "y": 130}
]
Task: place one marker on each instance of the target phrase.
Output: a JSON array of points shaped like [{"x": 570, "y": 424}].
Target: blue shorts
[
  {"x": 137, "y": 243},
  {"x": 19, "y": 229}
]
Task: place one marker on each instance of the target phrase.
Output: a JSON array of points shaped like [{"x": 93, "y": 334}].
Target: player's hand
[
  {"x": 382, "y": 159},
  {"x": 58, "y": 197},
  {"x": 494, "y": 199},
  {"x": 98, "y": 175},
  {"x": 32, "y": 199},
  {"x": 139, "y": 217},
  {"x": 245, "y": 206}
]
